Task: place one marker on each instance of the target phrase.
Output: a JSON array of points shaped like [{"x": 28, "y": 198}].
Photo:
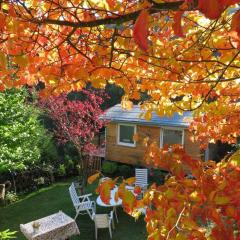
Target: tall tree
[
  {"x": 21, "y": 133},
  {"x": 184, "y": 54},
  {"x": 76, "y": 121}
]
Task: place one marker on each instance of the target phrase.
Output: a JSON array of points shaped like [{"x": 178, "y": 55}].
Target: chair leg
[
  {"x": 77, "y": 212},
  {"x": 115, "y": 211},
  {"x": 113, "y": 225},
  {"x": 95, "y": 233},
  {"x": 110, "y": 231},
  {"x": 88, "y": 212}
]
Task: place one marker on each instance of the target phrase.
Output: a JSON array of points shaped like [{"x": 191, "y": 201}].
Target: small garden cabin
[{"x": 123, "y": 124}]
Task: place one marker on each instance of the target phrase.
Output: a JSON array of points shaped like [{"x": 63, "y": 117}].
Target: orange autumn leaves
[
  {"x": 207, "y": 197},
  {"x": 211, "y": 9},
  {"x": 236, "y": 23},
  {"x": 214, "y": 8},
  {"x": 128, "y": 197}
]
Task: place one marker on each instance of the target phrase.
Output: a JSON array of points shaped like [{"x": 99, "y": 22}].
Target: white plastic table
[
  {"x": 112, "y": 202},
  {"x": 58, "y": 226}
]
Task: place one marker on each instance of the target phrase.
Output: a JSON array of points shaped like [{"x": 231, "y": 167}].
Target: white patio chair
[
  {"x": 141, "y": 175},
  {"x": 82, "y": 203},
  {"x": 103, "y": 221}
]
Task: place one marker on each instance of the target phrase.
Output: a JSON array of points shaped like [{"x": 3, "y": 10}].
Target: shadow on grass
[{"x": 49, "y": 200}]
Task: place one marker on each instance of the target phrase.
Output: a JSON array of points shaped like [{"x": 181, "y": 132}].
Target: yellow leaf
[
  {"x": 235, "y": 159},
  {"x": 171, "y": 213},
  {"x": 181, "y": 236},
  {"x": 190, "y": 224},
  {"x": 148, "y": 115},
  {"x": 128, "y": 201},
  {"x": 22, "y": 60},
  {"x": 126, "y": 104},
  {"x": 5, "y": 6},
  {"x": 3, "y": 61},
  {"x": 130, "y": 181},
  {"x": 93, "y": 178},
  {"x": 170, "y": 194},
  {"x": 221, "y": 200},
  {"x": 194, "y": 196},
  {"x": 145, "y": 141}
]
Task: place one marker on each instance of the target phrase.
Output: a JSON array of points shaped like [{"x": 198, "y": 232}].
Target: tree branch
[
  {"x": 173, "y": 6},
  {"x": 176, "y": 224}
]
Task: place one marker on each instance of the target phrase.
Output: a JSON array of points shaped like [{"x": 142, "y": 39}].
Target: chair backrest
[
  {"x": 141, "y": 175},
  {"x": 73, "y": 195},
  {"x": 101, "y": 220}
]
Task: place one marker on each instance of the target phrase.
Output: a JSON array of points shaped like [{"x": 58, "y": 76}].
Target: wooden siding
[
  {"x": 134, "y": 155},
  {"x": 191, "y": 147}
]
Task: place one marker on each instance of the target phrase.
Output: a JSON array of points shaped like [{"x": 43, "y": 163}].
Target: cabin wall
[
  {"x": 135, "y": 155},
  {"x": 191, "y": 146}
]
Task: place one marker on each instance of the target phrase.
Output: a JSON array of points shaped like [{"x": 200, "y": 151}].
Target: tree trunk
[{"x": 82, "y": 171}]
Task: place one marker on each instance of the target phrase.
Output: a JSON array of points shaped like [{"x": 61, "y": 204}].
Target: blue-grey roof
[{"x": 117, "y": 114}]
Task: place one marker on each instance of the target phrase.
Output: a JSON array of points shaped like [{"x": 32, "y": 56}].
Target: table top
[
  {"x": 56, "y": 226},
  {"x": 112, "y": 202}
]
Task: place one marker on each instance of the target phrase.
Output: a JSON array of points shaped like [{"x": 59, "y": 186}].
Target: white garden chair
[
  {"x": 103, "y": 221},
  {"x": 82, "y": 203},
  {"x": 141, "y": 175}
]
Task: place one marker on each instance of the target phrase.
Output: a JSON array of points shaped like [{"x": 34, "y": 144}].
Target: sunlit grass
[{"x": 51, "y": 199}]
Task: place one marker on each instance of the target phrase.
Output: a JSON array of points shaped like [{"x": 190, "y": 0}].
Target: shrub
[
  {"x": 61, "y": 170},
  {"x": 109, "y": 168},
  {"x": 11, "y": 197},
  {"x": 21, "y": 132},
  {"x": 69, "y": 164},
  {"x": 157, "y": 176},
  {"x": 39, "y": 181},
  {"x": 49, "y": 153},
  {"x": 125, "y": 170}
]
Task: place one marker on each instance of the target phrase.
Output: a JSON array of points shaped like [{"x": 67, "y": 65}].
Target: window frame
[
  {"x": 171, "y": 128},
  {"x": 118, "y": 135}
]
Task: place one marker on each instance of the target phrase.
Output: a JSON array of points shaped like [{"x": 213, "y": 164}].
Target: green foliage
[
  {"x": 20, "y": 131},
  {"x": 21, "y": 134},
  {"x": 69, "y": 164},
  {"x": 125, "y": 170},
  {"x": 109, "y": 167},
  {"x": 61, "y": 170},
  {"x": 11, "y": 197},
  {"x": 7, "y": 234},
  {"x": 48, "y": 200},
  {"x": 49, "y": 153},
  {"x": 157, "y": 176}
]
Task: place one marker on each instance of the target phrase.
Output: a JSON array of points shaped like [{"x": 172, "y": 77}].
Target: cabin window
[
  {"x": 125, "y": 135},
  {"x": 171, "y": 136}
]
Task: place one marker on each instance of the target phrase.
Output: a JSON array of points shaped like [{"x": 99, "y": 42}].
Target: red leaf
[
  {"x": 140, "y": 30},
  {"x": 212, "y": 9},
  {"x": 235, "y": 25},
  {"x": 137, "y": 190},
  {"x": 111, "y": 3},
  {"x": 227, "y": 3},
  {"x": 177, "y": 27}
]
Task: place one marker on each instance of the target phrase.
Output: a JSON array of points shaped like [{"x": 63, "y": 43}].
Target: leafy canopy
[
  {"x": 184, "y": 54},
  {"x": 21, "y": 133},
  {"x": 75, "y": 120}
]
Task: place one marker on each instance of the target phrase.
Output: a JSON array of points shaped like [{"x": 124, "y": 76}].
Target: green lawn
[{"x": 52, "y": 199}]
